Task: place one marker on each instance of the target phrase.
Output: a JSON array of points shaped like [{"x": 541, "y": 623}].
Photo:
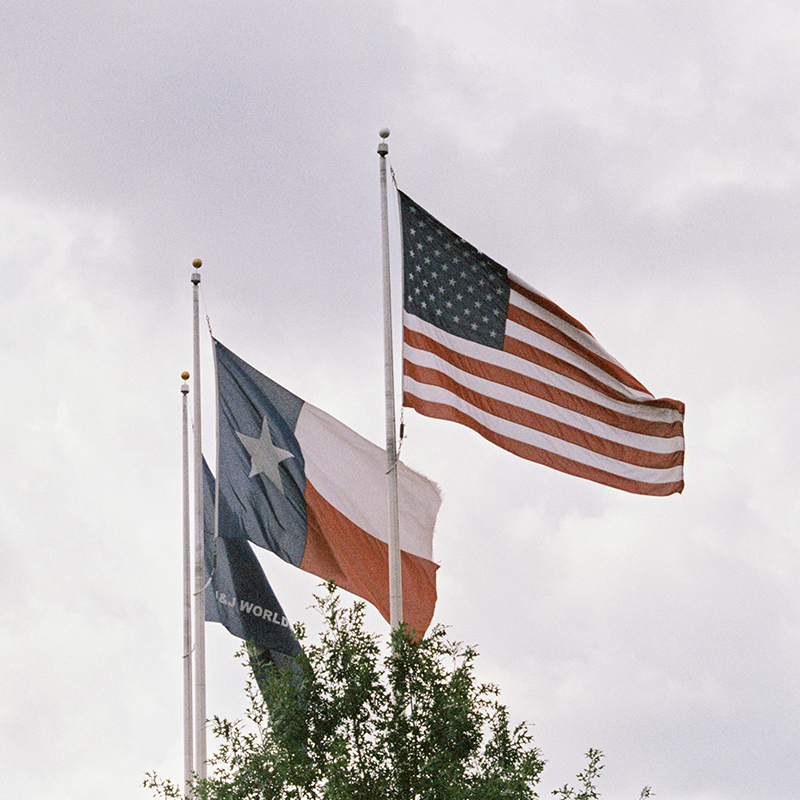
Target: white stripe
[
  {"x": 517, "y": 331},
  {"x": 546, "y": 376},
  {"x": 577, "y": 334},
  {"x": 546, "y": 442},
  {"x": 350, "y": 473},
  {"x": 523, "y": 400}
]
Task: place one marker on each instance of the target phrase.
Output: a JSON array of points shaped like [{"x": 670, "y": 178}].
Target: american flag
[{"x": 483, "y": 348}]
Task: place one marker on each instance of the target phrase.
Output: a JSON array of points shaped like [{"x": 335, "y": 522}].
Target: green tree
[
  {"x": 588, "y": 778},
  {"x": 352, "y": 719}
]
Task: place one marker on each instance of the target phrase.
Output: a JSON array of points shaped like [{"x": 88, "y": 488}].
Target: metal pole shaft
[
  {"x": 188, "y": 707},
  {"x": 199, "y": 562},
  {"x": 395, "y": 571}
]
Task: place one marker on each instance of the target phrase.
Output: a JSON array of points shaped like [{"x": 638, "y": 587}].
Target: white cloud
[{"x": 638, "y": 163}]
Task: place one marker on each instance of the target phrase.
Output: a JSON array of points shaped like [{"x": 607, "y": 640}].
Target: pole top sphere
[
  {"x": 197, "y": 263},
  {"x": 185, "y": 375},
  {"x": 383, "y": 145}
]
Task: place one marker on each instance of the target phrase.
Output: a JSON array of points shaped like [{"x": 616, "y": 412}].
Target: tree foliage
[
  {"x": 351, "y": 719},
  {"x": 587, "y": 789}
]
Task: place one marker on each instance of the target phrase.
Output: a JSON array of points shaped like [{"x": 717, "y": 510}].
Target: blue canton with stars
[{"x": 450, "y": 284}]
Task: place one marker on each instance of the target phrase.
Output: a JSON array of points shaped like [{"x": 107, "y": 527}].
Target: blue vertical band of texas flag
[
  {"x": 296, "y": 481},
  {"x": 261, "y": 466},
  {"x": 239, "y": 595}
]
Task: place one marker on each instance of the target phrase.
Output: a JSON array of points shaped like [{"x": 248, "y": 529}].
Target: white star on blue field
[{"x": 264, "y": 455}]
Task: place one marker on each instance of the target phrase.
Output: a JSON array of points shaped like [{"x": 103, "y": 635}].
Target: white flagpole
[
  {"x": 188, "y": 709},
  {"x": 199, "y": 557},
  {"x": 395, "y": 573}
]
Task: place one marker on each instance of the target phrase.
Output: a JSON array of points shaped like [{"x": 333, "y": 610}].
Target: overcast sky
[{"x": 639, "y": 163}]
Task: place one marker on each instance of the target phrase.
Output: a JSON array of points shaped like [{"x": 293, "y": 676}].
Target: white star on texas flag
[{"x": 264, "y": 456}]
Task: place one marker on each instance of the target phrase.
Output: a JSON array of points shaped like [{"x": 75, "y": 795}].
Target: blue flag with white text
[{"x": 239, "y": 595}]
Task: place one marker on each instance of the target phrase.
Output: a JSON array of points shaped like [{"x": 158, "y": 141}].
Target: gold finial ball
[
  {"x": 197, "y": 263},
  {"x": 185, "y": 376}
]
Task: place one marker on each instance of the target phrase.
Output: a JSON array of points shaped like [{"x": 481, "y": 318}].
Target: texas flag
[{"x": 303, "y": 485}]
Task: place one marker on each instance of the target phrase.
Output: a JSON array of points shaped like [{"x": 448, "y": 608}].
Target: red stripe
[
  {"x": 535, "y": 388},
  {"x": 538, "y": 455},
  {"x": 531, "y": 321},
  {"x": 538, "y": 325},
  {"x": 546, "y": 304},
  {"x": 542, "y": 358},
  {"x": 530, "y": 419},
  {"x": 338, "y": 550}
]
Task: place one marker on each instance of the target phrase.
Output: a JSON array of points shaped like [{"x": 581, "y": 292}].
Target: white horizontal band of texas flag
[
  {"x": 482, "y": 348},
  {"x": 301, "y": 484}
]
